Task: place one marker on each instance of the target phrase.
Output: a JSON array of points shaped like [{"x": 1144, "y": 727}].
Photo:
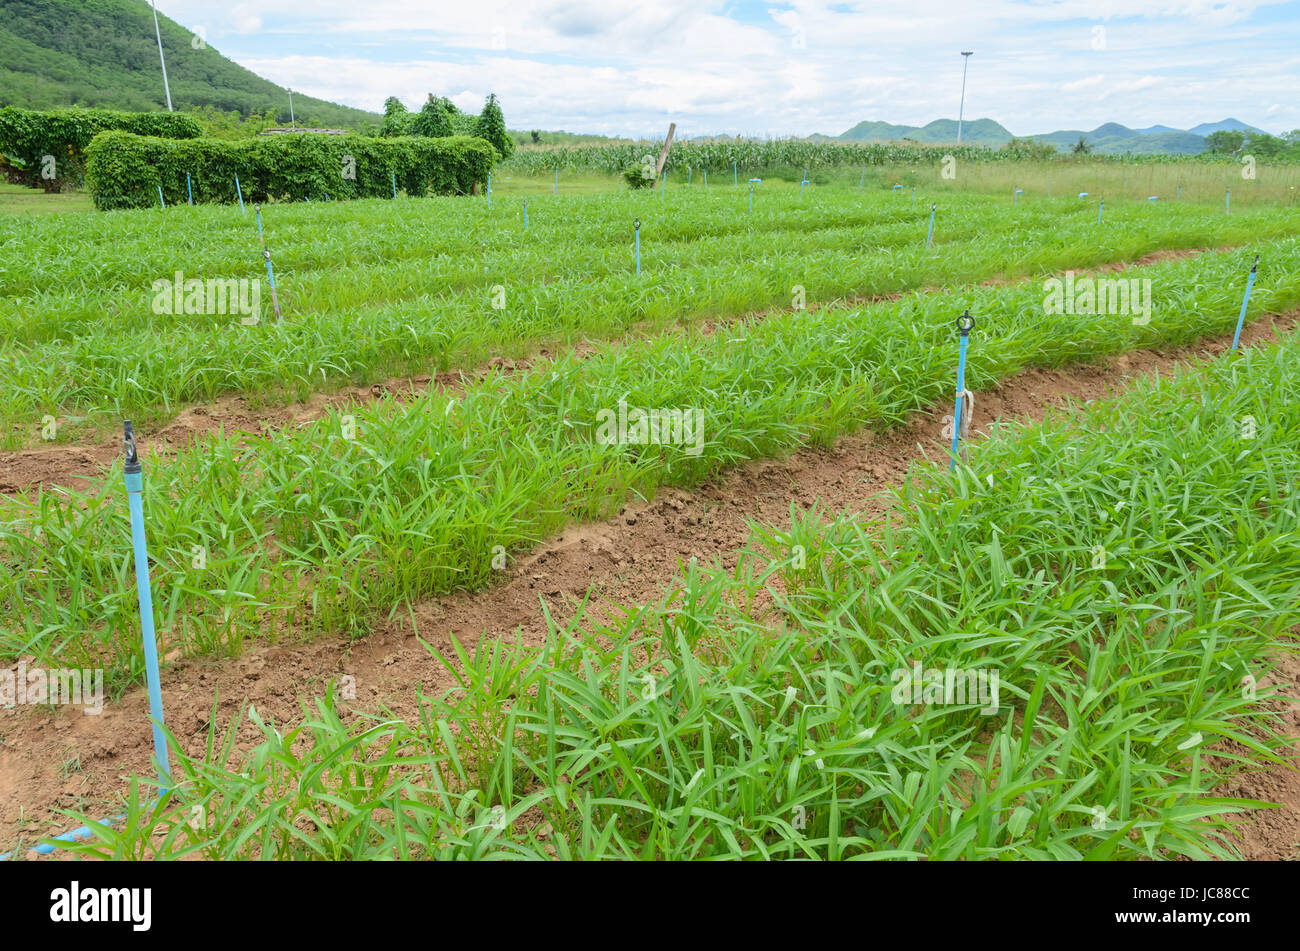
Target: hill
[
  {"x": 1108, "y": 138},
  {"x": 103, "y": 53}
]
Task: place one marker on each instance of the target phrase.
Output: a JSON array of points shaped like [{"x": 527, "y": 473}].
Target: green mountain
[
  {"x": 1109, "y": 138},
  {"x": 103, "y": 53},
  {"x": 973, "y": 132}
]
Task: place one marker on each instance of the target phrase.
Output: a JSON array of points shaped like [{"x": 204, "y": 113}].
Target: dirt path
[{"x": 51, "y": 760}]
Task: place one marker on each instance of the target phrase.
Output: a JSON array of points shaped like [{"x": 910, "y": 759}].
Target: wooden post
[{"x": 668, "y": 143}]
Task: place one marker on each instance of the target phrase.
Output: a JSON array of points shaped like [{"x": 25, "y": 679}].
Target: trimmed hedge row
[
  {"x": 29, "y": 135},
  {"x": 126, "y": 171}
]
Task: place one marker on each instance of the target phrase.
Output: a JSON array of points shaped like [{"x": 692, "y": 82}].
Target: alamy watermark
[
  {"x": 193, "y": 295},
  {"x": 79, "y": 688},
  {"x": 1099, "y": 295},
  {"x": 644, "y": 427},
  {"x": 945, "y": 685}
]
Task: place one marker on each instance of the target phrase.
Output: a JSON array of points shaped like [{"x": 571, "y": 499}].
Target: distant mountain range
[{"x": 1110, "y": 137}]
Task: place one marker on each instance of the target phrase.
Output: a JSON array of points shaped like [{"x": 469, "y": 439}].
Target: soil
[{"x": 51, "y": 760}]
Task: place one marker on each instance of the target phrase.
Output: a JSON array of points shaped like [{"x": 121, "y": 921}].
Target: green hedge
[
  {"x": 125, "y": 171},
  {"x": 29, "y": 135}
]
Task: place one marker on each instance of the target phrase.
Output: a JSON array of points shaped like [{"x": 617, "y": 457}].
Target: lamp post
[
  {"x": 965, "y": 61},
  {"x": 162, "y": 59}
]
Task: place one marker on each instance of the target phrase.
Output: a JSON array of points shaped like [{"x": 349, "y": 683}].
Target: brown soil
[{"x": 51, "y": 760}]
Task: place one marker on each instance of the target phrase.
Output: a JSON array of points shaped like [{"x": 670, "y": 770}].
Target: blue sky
[{"x": 627, "y": 67}]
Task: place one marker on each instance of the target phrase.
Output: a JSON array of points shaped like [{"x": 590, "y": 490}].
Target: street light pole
[
  {"x": 961, "y": 110},
  {"x": 162, "y": 59},
  {"x": 292, "y": 123}
]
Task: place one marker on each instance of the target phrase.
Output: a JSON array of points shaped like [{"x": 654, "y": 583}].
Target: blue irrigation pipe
[
  {"x": 134, "y": 478},
  {"x": 557, "y": 181},
  {"x": 690, "y": 174},
  {"x": 801, "y": 185},
  {"x": 752, "y": 183},
  {"x": 1227, "y": 201},
  {"x": 1180, "y": 192},
  {"x": 663, "y": 184},
  {"x": 1015, "y": 196},
  {"x": 735, "y": 175},
  {"x": 1153, "y": 197},
  {"x": 189, "y": 188},
  {"x": 965, "y": 323},
  {"x": 270, "y": 271},
  {"x": 525, "y": 214},
  {"x": 1099, "y": 210},
  {"x": 930, "y": 233},
  {"x": 913, "y": 196},
  {"x": 636, "y": 231},
  {"x": 161, "y": 198},
  {"x": 240, "y": 192},
  {"x": 1241, "y": 318}
]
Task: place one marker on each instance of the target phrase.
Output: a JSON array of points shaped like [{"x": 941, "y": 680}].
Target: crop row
[
  {"x": 1111, "y": 585},
  {"x": 315, "y": 528},
  {"x": 96, "y": 347}
]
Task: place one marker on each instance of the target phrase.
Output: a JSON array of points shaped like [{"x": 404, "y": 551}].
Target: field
[{"x": 423, "y": 588}]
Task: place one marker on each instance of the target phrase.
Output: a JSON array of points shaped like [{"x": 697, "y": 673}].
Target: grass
[
  {"x": 316, "y": 528},
  {"x": 753, "y": 713},
  {"x": 378, "y": 289},
  {"x": 20, "y": 200}
]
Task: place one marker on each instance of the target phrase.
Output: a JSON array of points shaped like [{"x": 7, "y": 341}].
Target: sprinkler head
[
  {"x": 128, "y": 446},
  {"x": 966, "y": 323},
  {"x": 636, "y": 224}
]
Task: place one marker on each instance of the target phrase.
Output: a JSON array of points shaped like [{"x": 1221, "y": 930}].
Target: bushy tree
[
  {"x": 492, "y": 126},
  {"x": 432, "y": 121},
  {"x": 1081, "y": 147},
  {"x": 397, "y": 121},
  {"x": 1225, "y": 141}
]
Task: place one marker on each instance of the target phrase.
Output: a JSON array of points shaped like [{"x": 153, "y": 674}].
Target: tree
[
  {"x": 397, "y": 121},
  {"x": 1081, "y": 147},
  {"x": 432, "y": 121},
  {"x": 1225, "y": 141},
  {"x": 492, "y": 126},
  {"x": 537, "y": 136}
]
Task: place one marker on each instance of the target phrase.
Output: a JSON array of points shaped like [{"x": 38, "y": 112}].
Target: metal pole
[
  {"x": 961, "y": 110},
  {"x": 292, "y": 122},
  {"x": 162, "y": 59}
]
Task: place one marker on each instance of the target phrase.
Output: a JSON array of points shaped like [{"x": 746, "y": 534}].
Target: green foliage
[
  {"x": 1031, "y": 149},
  {"x": 125, "y": 171},
  {"x": 29, "y": 135},
  {"x": 1081, "y": 147},
  {"x": 58, "y": 53},
  {"x": 636, "y": 177},
  {"x": 492, "y": 126},
  {"x": 397, "y": 121},
  {"x": 433, "y": 121}
]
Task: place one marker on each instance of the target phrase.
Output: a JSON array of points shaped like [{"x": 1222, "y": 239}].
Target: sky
[{"x": 741, "y": 67}]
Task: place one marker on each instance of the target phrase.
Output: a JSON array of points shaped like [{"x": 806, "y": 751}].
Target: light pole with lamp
[{"x": 965, "y": 61}]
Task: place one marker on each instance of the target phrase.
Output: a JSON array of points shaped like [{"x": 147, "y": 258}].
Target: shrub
[
  {"x": 126, "y": 171},
  {"x": 29, "y": 135},
  {"x": 636, "y": 177},
  {"x": 432, "y": 121}
]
